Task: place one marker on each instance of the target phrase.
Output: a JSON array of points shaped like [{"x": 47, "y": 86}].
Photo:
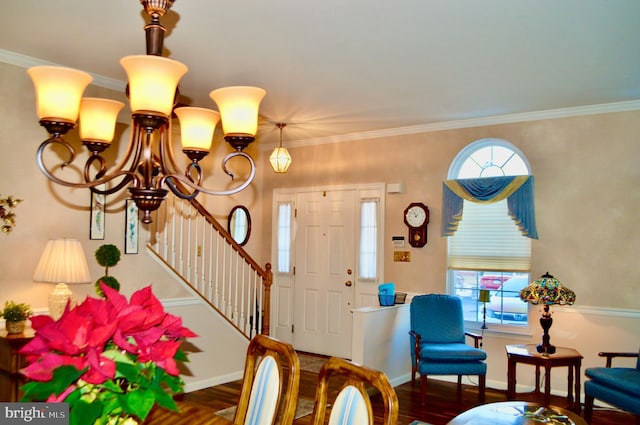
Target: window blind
[{"x": 488, "y": 239}]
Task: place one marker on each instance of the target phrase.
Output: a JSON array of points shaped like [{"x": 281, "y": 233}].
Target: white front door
[{"x": 325, "y": 254}]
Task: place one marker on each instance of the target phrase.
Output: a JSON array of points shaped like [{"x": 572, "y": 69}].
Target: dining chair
[
  {"x": 270, "y": 383},
  {"x": 352, "y": 405}
]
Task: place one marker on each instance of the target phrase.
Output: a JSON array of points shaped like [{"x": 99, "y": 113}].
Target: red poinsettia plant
[{"x": 110, "y": 359}]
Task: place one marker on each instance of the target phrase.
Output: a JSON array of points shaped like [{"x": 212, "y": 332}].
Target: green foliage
[
  {"x": 13, "y": 312},
  {"x": 107, "y": 255},
  {"x": 110, "y": 281},
  {"x": 134, "y": 390}
]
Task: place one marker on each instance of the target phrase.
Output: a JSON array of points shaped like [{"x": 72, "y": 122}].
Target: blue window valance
[{"x": 518, "y": 190}]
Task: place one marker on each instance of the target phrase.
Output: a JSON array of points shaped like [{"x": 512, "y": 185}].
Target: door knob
[
  {"x": 348, "y": 283},
  {"x": 349, "y": 272}
]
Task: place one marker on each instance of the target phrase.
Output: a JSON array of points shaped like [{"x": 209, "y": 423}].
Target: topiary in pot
[{"x": 107, "y": 256}]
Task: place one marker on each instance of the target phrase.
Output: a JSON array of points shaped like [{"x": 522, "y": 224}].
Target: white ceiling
[{"x": 333, "y": 68}]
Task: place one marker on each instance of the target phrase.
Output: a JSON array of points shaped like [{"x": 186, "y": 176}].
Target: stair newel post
[{"x": 267, "y": 281}]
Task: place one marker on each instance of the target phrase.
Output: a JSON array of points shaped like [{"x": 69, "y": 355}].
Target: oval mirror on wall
[{"x": 239, "y": 224}]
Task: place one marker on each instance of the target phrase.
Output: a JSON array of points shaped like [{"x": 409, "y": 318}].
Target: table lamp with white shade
[{"x": 62, "y": 262}]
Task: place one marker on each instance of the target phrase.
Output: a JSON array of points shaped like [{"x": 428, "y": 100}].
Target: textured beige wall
[{"x": 586, "y": 171}]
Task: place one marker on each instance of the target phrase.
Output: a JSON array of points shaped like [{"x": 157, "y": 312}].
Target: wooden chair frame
[
  {"x": 289, "y": 369},
  {"x": 359, "y": 377}
]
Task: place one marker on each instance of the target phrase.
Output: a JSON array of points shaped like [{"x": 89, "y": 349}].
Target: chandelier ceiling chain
[{"x": 149, "y": 163}]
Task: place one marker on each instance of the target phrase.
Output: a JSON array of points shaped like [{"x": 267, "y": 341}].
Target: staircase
[{"x": 189, "y": 241}]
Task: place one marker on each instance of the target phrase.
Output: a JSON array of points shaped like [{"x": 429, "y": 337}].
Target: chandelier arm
[
  {"x": 188, "y": 182},
  {"x": 231, "y": 155},
  {"x": 101, "y": 165},
  {"x": 101, "y": 176},
  {"x": 133, "y": 150},
  {"x": 166, "y": 152},
  {"x": 72, "y": 156},
  {"x": 39, "y": 157},
  {"x": 177, "y": 189},
  {"x": 194, "y": 168},
  {"x": 128, "y": 177}
]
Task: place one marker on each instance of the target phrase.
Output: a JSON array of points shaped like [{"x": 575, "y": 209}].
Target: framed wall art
[
  {"x": 131, "y": 228},
  {"x": 97, "y": 217}
]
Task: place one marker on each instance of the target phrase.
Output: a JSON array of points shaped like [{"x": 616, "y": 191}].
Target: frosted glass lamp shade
[
  {"x": 98, "y": 118},
  {"x": 238, "y": 108},
  {"x": 152, "y": 82},
  {"x": 197, "y": 126},
  {"x": 280, "y": 160},
  {"x": 63, "y": 261},
  {"x": 58, "y": 92}
]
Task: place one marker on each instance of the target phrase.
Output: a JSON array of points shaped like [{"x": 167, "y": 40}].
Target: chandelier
[{"x": 149, "y": 166}]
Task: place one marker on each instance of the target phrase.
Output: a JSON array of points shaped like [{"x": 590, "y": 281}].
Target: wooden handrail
[
  {"x": 244, "y": 254},
  {"x": 266, "y": 274}
]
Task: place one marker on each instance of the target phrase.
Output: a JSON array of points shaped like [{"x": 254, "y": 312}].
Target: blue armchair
[
  {"x": 618, "y": 386},
  {"x": 438, "y": 342}
]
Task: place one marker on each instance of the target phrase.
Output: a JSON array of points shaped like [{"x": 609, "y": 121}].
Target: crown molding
[
  {"x": 631, "y": 105},
  {"x": 23, "y": 61}
]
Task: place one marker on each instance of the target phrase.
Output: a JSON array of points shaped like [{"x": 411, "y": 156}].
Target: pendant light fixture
[
  {"x": 149, "y": 168},
  {"x": 280, "y": 159}
]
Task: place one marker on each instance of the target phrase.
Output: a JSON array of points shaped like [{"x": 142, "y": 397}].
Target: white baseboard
[{"x": 212, "y": 382}]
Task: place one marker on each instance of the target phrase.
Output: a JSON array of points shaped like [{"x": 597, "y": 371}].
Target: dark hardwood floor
[{"x": 442, "y": 403}]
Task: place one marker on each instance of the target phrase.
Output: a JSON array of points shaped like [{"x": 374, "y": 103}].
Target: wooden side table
[
  {"x": 562, "y": 357},
  {"x": 11, "y": 362}
]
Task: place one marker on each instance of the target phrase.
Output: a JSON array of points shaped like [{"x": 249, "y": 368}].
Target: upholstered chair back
[
  {"x": 350, "y": 407},
  {"x": 445, "y": 310},
  {"x": 265, "y": 391}
]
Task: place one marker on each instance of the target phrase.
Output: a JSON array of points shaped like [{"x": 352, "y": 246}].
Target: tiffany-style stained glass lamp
[{"x": 547, "y": 290}]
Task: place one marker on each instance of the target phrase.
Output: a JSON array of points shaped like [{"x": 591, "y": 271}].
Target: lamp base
[
  {"x": 545, "y": 349},
  {"x": 484, "y": 317},
  {"x": 546, "y": 321},
  {"x": 58, "y": 300}
]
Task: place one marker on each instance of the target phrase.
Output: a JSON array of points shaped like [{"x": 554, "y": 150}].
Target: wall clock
[{"x": 416, "y": 217}]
